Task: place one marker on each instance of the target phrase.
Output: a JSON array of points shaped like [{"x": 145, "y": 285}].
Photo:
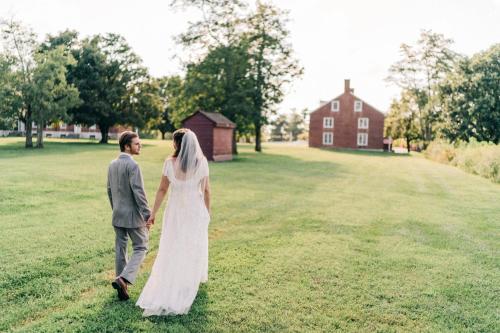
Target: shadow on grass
[
  {"x": 117, "y": 316},
  {"x": 295, "y": 169}
]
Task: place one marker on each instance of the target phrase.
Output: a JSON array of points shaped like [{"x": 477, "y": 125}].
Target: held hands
[{"x": 150, "y": 222}]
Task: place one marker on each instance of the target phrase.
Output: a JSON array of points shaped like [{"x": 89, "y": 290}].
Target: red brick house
[
  {"x": 346, "y": 122},
  {"x": 214, "y": 132}
]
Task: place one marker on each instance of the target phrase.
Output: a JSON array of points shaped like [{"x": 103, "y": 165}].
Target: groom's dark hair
[{"x": 126, "y": 139}]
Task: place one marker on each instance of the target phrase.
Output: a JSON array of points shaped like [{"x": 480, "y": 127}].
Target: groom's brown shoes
[{"x": 121, "y": 288}]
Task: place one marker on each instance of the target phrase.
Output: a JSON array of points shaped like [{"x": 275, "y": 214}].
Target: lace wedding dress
[{"x": 182, "y": 260}]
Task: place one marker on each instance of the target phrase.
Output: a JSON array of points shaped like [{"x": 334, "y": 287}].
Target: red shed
[{"x": 214, "y": 132}]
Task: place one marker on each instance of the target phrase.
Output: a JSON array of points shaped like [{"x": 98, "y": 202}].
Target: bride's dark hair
[{"x": 177, "y": 137}]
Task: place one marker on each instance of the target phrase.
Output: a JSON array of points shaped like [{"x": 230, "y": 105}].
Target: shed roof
[{"x": 216, "y": 118}]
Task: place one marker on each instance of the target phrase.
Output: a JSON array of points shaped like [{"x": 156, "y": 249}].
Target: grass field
[{"x": 301, "y": 240}]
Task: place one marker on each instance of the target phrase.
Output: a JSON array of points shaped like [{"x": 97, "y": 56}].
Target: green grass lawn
[{"x": 301, "y": 240}]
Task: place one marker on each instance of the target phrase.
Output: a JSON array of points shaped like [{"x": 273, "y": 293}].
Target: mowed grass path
[{"x": 301, "y": 240}]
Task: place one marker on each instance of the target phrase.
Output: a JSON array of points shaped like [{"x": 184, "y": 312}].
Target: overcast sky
[{"x": 333, "y": 40}]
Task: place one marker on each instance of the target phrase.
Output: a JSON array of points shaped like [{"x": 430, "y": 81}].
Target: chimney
[{"x": 347, "y": 88}]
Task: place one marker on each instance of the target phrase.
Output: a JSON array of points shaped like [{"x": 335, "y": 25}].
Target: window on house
[
  {"x": 328, "y": 122},
  {"x": 358, "y": 106},
  {"x": 335, "y": 106},
  {"x": 362, "y": 139},
  {"x": 63, "y": 126},
  {"x": 328, "y": 138},
  {"x": 363, "y": 123}
]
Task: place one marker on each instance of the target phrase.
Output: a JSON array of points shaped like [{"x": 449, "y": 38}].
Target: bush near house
[{"x": 479, "y": 158}]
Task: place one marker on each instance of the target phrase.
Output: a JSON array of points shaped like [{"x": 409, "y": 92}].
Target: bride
[{"x": 182, "y": 260}]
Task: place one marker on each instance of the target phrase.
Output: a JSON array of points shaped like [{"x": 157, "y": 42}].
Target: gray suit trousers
[{"x": 125, "y": 268}]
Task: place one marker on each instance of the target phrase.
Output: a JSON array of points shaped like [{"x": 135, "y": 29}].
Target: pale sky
[{"x": 333, "y": 40}]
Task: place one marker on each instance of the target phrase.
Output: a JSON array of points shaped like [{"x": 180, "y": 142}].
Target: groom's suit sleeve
[
  {"x": 137, "y": 186},
  {"x": 110, "y": 196}
]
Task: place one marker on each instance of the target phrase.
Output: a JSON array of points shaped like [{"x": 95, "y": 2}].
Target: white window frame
[
  {"x": 363, "y": 123},
  {"x": 328, "y": 138},
  {"x": 362, "y": 139},
  {"x": 328, "y": 122},
  {"x": 358, "y": 106},
  {"x": 335, "y": 106}
]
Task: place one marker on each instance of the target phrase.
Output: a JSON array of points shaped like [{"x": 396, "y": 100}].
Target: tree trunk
[
  {"x": 234, "y": 145},
  {"x": 104, "y": 134},
  {"x": 162, "y": 135},
  {"x": 258, "y": 146},
  {"x": 29, "y": 128},
  {"x": 39, "y": 133},
  {"x": 408, "y": 143}
]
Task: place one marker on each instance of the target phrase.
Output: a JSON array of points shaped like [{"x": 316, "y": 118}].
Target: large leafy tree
[
  {"x": 108, "y": 75},
  {"x": 19, "y": 45},
  {"x": 217, "y": 76},
  {"x": 419, "y": 72},
  {"x": 273, "y": 66},
  {"x": 34, "y": 86},
  {"x": 243, "y": 61},
  {"x": 471, "y": 95},
  {"x": 220, "y": 83},
  {"x": 51, "y": 94}
]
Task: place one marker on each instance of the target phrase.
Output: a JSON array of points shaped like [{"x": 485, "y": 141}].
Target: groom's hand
[{"x": 150, "y": 222}]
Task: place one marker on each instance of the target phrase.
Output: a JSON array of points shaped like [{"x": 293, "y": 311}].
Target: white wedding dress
[{"x": 182, "y": 260}]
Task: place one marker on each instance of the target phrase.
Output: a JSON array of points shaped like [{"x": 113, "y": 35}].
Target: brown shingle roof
[{"x": 218, "y": 119}]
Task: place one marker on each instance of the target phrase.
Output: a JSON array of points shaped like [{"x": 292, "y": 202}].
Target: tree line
[
  {"x": 444, "y": 94},
  {"x": 239, "y": 63}
]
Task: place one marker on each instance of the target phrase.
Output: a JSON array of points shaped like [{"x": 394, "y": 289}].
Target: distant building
[
  {"x": 214, "y": 132},
  {"x": 63, "y": 130},
  {"x": 346, "y": 122}
]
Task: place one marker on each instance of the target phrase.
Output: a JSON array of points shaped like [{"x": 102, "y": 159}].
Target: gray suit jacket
[{"x": 126, "y": 193}]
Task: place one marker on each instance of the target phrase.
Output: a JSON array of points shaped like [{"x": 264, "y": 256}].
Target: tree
[
  {"x": 108, "y": 74},
  {"x": 10, "y": 97},
  {"x": 296, "y": 122},
  {"x": 220, "y": 83},
  {"x": 242, "y": 61},
  {"x": 19, "y": 44},
  {"x": 51, "y": 95},
  {"x": 172, "y": 97},
  {"x": 278, "y": 131},
  {"x": 272, "y": 64},
  {"x": 217, "y": 77},
  {"x": 401, "y": 121},
  {"x": 420, "y": 71},
  {"x": 471, "y": 95},
  {"x": 146, "y": 103}
]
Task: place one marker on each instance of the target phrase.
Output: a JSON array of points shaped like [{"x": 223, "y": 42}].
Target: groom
[{"x": 130, "y": 212}]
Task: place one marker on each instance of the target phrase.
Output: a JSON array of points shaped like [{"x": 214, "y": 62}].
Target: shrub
[{"x": 479, "y": 158}]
